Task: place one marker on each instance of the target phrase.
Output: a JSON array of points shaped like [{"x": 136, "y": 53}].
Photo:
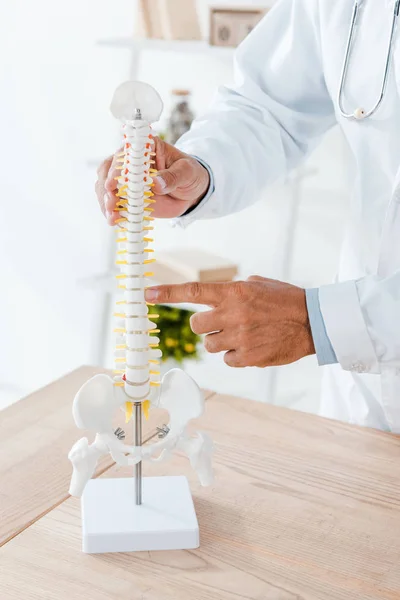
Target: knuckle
[
  {"x": 184, "y": 170},
  {"x": 209, "y": 344},
  {"x": 194, "y": 290},
  {"x": 228, "y": 359},
  {"x": 165, "y": 295},
  {"x": 172, "y": 178},
  {"x": 160, "y": 145},
  {"x": 239, "y": 289},
  {"x": 188, "y": 165},
  {"x": 109, "y": 183},
  {"x": 232, "y": 359},
  {"x": 240, "y": 361}
]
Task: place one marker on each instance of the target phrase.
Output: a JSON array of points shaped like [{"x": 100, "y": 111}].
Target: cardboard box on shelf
[
  {"x": 168, "y": 20},
  {"x": 149, "y": 20},
  {"x": 186, "y": 264},
  {"x": 230, "y": 26}
]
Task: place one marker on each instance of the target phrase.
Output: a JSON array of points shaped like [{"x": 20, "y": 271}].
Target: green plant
[{"x": 177, "y": 340}]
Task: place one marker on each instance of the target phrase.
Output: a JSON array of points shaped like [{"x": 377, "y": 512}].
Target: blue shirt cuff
[
  {"x": 210, "y": 190},
  {"x": 322, "y": 344}
]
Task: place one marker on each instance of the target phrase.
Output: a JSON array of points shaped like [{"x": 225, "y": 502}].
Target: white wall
[
  {"x": 55, "y": 90},
  {"x": 54, "y": 94}
]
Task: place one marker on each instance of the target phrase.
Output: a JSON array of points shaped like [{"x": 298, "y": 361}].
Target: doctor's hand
[
  {"x": 257, "y": 323},
  {"x": 180, "y": 184}
]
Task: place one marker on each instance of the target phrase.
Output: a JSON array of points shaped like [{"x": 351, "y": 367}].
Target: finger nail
[
  {"x": 151, "y": 294},
  {"x": 161, "y": 183}
]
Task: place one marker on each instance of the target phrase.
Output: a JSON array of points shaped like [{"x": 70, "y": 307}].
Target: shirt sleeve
[{"x": 323, "y": 347}]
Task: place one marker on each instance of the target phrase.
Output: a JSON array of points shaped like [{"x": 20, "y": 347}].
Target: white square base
[{"x": 111, "y": 521}]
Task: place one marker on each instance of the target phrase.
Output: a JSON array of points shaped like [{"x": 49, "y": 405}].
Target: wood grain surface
[{"x": 302, "y": 509}]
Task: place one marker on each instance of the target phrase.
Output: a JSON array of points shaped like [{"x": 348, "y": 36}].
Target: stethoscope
[{"x": 361, "y": 113}]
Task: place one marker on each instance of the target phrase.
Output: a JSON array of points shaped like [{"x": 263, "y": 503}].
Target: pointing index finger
[{"x": 209, "y": 294}]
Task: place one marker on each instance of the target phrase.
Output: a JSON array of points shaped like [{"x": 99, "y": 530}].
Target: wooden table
[{"x": 302, "y": 509}]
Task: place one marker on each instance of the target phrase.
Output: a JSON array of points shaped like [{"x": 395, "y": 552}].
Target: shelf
[{"x": 181, "y": 46}]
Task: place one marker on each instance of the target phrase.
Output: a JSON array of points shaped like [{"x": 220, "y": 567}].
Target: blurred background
[{"x": 60, "y": 63}]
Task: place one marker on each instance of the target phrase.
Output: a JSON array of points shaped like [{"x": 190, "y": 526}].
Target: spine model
[
  {"x": 136, "y": 354},
  {"x": 135, "y": 385}
]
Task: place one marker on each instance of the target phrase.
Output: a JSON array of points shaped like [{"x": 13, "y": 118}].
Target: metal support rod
[{"x": 138, "y": 442}]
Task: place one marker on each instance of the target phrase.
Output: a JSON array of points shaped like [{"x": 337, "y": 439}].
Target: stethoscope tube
[{"x": 360, "y": 113}]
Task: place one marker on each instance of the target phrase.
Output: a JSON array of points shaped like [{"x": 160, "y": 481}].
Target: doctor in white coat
[{"x": 286, "y": 97}]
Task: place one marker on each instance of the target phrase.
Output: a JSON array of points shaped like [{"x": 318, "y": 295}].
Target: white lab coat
[{"x": 284, "y": 100}]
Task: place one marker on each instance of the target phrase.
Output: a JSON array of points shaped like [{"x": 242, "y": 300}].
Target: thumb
[{"x": 168, "y": 180}]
